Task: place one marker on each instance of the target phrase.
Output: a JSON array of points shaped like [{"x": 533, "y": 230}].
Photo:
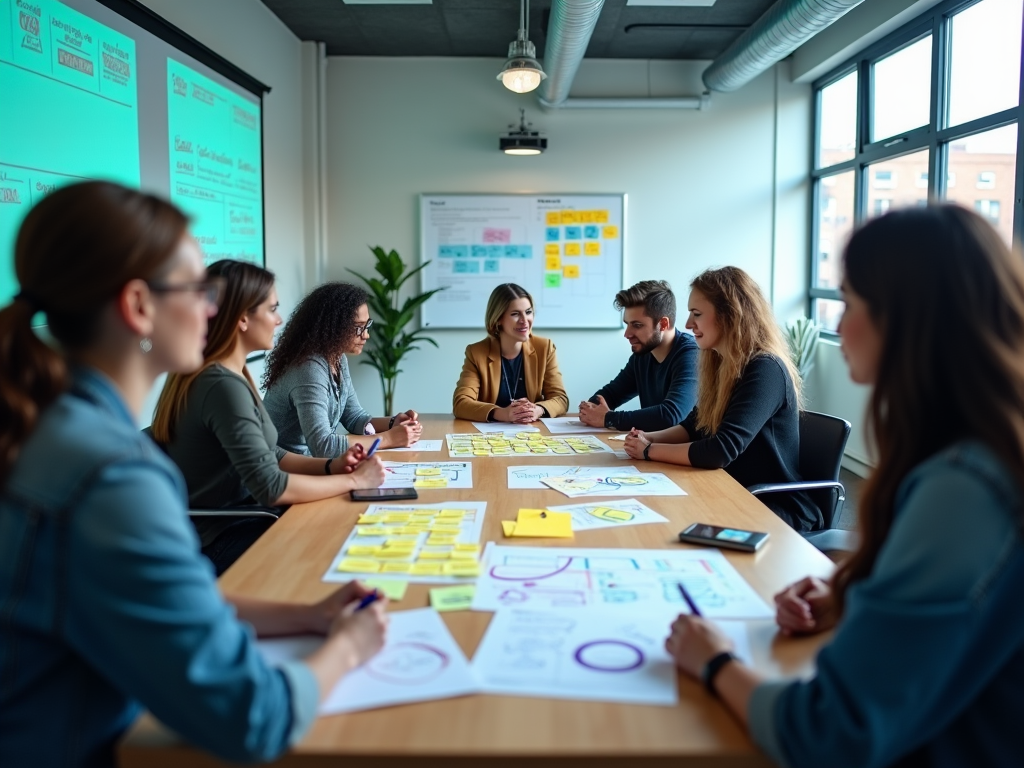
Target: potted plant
[
  {"x": 802, "y": 335},
  {"x": 390, "y": 342}
]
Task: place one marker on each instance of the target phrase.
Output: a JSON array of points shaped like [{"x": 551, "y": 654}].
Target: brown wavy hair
[
  {"x": 321, "y": 325},
  {"x": 947, "y": 296},
  {"x": 246, "y": 287},
  {"x": 748, "y": 329},
  {"x": 74, "y": 253},
  {"x": 497, "y": 305}
]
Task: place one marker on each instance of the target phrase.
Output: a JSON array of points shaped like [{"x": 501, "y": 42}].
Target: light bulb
[{"x": 520, "y": 80}]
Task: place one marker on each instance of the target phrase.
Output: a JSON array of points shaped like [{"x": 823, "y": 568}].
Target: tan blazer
[{"x": 481, "y": 378}]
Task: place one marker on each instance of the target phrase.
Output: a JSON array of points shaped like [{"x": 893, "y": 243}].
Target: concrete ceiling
[{"x": 486, "y": 27}]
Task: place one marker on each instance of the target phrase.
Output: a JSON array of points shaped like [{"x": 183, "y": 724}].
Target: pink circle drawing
[
  {"x": 609, "y": 656},
  {"x": 408, "y": 664}
]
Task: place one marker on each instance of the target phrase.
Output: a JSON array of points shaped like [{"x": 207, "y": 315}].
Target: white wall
[{"x": 704, "y": 188}]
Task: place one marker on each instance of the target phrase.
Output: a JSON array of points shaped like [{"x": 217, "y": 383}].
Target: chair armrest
[
  {"x": 809, "y": 485},
  {"x": 230, "y": 513}
]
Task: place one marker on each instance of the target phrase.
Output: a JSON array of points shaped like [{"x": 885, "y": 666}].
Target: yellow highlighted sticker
[
  {"x": 458, "y": 598},
  {"x": 451, "y": 513},
  {"x": 425, "y": 569},
  {"x": 366, "y": 530},
  {"x": 432, "y": 482},
  {"x": 467, "y": 547},
  {"x": 394, "y": 590},
  {"x": 610, "y": 232},
  {"x": 570, "y": 217},
  {"x": 600, "y": 217},
  {"x": 554, "y": 218},
  {"x": 551, "y": 249},
  {"x": 508, "y": 527},
  {"x": 456, "y": 555},
  {"x": 357, "y": 550},
  {"x": 571, "y": 271},
  {"x": 427, "y": 471},
  {"x": 433, "y": 554},
  {"x": 356, "y": 565},
  {"x": 395, "y": 567},
  {"x": 571, "y": 249},
  {"x": 461, "y": 568},
  {"x": 592, "y": 249},
  {"x": 553, "y": 263}
]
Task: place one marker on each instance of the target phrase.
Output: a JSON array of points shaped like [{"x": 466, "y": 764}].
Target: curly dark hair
[{"x": 321, "y": 325}]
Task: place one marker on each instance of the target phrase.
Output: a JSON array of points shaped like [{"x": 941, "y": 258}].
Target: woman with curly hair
[
  {"x": 308, "y": 384},
  {"x": 747, "y": 416}
]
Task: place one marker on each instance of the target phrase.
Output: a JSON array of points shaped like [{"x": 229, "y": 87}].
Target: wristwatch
[
  {"x": 327, "y": 467},
  {"x": 712, "y": 668},
  {"x": 646, "y": 449}
]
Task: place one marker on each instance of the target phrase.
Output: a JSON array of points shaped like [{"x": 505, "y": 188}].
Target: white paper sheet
[
  {"x": 609, "y": 514},
  {"x": 528, "y": 478},
  {"x": 419, "y": 662},
  {"x": 349, "y": 564},
  {"x": 569, "y": 425},
  {"x": 403, "y": 474},
  {"x": 522, "y": 444},
  {"x": 419, "y": 445},
  {"x": 564, "y": 577},
  {"x": 615, "y": 482},
  {"x": 620, "y": 436},
  {"x": 595, "y": 655},
  {"x": 501, "y": 426}
]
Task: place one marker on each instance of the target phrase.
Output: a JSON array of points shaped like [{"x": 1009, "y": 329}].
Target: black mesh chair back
[{"x": 822, "y": 442}]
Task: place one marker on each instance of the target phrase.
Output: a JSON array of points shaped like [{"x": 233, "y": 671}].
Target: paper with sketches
[
  {"x": 410, "y": 474},
  {"x": 521, "y": 444},
  {"x": 419, "y": 662},
  {"x": 609, "y": 514},
  {"x": 528, "y": 478},
  {"x": 568, "y": 425},
  {"x": 419, "y": 445},
  {"x": 423, "y": 543},
  {"x": 615, "y": 483},
  {"x": 564, "y": 577}
]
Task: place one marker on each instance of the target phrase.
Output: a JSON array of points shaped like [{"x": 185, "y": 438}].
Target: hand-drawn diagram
[
  {"x": 420, "y": 661},
  {"x": 616, "y": 484},
  {"x": 528, "y": 478},
  {"x": 609, "y": 514},
  {"x": 524, "y": 444},
  {"x": 542, "y": 578},
  {"x": 597, "y": 655},
  {"x": 427, "y": 543},
  {"x": 428, "y": 474}
]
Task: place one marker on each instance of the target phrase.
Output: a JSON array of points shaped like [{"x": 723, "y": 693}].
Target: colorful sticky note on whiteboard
[
  {"x": 570, "y": 217},
  {"x": 553, "y": 219},
  {"x": 553, "y": 234},
  {"x": 571, "y": 271},
  {"x": 600, "y": 217},
  {"x": 586, "y": 216},
  {"x": 573, "y": 233},
  {"x": 592, "y": 249},
  {"x": 610, "y": 232},
  {"x": 572, "y": 249},
  {"x": 551, "y": 249},
  {"x": 492, "y": 266},
  {"x": 553, "y": 262},
  {"x": 592, "y": 232},
  {"x": 552, "y": 280}
]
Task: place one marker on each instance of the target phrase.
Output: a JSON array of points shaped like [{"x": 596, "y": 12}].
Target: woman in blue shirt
[
  {"x": 927, "y": 664},
  {"x": 105, "y": 602}
]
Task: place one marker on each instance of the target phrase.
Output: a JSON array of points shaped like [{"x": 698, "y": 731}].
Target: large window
[{"x": 929, "y": 113}]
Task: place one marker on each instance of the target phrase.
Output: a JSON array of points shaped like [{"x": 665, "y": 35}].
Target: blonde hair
[
  {"x": 498, "y": 303},
  {"x": 748, "y": 329}
]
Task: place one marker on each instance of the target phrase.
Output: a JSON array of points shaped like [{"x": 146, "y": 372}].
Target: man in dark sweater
[{"x": 662, "y": 369}]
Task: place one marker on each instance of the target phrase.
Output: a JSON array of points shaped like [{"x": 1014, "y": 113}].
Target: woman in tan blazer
[{"x": 512, "y": 375}]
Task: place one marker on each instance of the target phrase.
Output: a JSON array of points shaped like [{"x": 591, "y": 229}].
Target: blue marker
[
  {"x": 689, "y": 600},
  {"x": 373, "y": 448},
  {"x": 368, "y": 600}
]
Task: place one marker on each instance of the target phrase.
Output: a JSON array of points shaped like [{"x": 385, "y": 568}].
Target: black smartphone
[
  {"x": 717, "y": 536},
  {"x": 390, "y": 494}
]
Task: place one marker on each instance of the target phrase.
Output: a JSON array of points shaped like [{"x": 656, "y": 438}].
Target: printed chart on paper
[
  {"x": 524, "y": 444},
  {"x": 425, "y": 475}
]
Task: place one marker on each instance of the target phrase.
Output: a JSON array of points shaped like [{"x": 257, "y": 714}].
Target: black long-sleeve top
[
  {"x": 667, "y": 389},
  {"x": 758, "y": 440}
]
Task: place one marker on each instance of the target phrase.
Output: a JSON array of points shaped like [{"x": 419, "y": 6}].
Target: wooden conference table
[{"x": 287, "y": 564}]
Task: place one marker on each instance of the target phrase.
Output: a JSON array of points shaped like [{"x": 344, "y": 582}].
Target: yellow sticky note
[
  {"x": 366, "y": 530},
  {"x": 458, "y": 598},
  {"x": 440, "y": 541},
  {"x": 369, "y": 519},
  {"x": 571, "y": 271},
  {"x": 592, "y": 249},
  {"x": 552, "y": 263},
  {"x": 461, "y": 568},
  {"x": 451, "y": 513},
  {"x": 402, "y": 518},
  {"x": 544, "y": 524},
  {"x": 610, "y": 232},
  {"x": 572, "y": 249},
  {"x": 425, "y": 569},
  {"x": 587, "y": 217},
  {"x": 357, "y": 550},
  {"x": 355, "y": 565},
  {"x": 427, "y": 471},
  {"x": 424, "y": 512},
  {"x": 396, "y": 554},
  {"x": 551, "y": 249},
  {"x": 457, "y": 555},
  {"x": 439, "y": 527},
  {"x": 600, "y": 217},
  {"x": 467, "y": 547},
  {"x": 570, "y": 217},
  {"x": 394, "y": 590},
  {"x": 395, "y": 567},
  {"x": 433, "y": 554},
  {"x": 553, "y": 219},
  {"x": 432, "y": 482},
  {"x": 481, "y": 453},
  {"x": 508, "y": 527}
]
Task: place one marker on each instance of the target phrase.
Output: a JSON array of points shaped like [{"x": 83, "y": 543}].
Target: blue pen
[
  {"x": 373, "y": 448},
  {"x": 689, "y": 600},
  {"x": 368, "y": 600}
]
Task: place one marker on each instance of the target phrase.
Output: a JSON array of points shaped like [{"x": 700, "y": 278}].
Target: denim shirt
[
  {"x": 106, "y": 604},
  {"x": 927, "y": 665}
]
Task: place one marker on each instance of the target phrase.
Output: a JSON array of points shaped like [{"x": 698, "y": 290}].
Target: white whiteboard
[{"x": 566, "y": 250}]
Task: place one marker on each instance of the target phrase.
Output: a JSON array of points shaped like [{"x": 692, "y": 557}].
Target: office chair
[{"x": 822, "y": 442}]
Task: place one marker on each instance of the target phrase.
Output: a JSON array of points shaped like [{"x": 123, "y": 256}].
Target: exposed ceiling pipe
[
  {"x": 679, "y": 102},
  {"x": 779, "y": 32},
  {"x": 569, "y": 30}
]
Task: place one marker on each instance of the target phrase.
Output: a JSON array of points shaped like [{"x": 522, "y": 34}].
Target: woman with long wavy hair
[
  {"x": 926, "y": 667},
  {"x": 213, "y": 424},
  {"x": 747, "y": 416},
  {"x": 106, "y": 605},
  {"x": 308, "y": 383}
]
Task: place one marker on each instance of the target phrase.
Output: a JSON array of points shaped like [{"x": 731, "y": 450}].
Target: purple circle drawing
[
  {"x": 504, "y": 572},
  {"x": 609, "y": 656},
  {"x": 408, "y": 664}
]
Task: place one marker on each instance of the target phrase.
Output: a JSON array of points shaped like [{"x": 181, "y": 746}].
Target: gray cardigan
[{"x": 307, "y": 403}]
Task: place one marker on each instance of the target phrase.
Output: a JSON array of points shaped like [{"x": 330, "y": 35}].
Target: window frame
[{"x": 935, "y": 137}]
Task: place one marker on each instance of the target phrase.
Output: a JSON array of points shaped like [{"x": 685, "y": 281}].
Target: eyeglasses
[
  {"x": 361, "y": 329},
  {"x": 211, "y": 289}
]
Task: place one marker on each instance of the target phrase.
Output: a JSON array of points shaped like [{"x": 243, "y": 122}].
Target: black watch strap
[
  {"x": 712, "y": 668},
  {"x": 327, "y": 467},
  {"x": 646, "y": 449}
]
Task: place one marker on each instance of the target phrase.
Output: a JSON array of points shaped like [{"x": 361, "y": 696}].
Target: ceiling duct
[
  {"x": 569, "y": 29},
  {"x": 781, "y": 30}
]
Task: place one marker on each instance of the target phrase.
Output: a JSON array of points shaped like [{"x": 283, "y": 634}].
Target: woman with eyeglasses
[
  {"x": 106, "y": 606},
  {"x": 308, "y": 383},
  {"x": 213, "y": 424}
]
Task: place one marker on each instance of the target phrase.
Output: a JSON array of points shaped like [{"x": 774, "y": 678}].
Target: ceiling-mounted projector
[{"x": 522, "y": 141}]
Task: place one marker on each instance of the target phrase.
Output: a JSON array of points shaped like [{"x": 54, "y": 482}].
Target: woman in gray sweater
[{"x": 308, "y": 384}]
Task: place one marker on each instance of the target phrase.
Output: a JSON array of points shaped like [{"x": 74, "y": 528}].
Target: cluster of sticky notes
[
  {"x": 556, "y": 218},
  {"x": 520, "y": 443},
  {"x": 457, "y": 598},
  {"x": 539, "y": 523},
  {"x": 430, "y": 477},
  {"x": 413, "y": 541}
]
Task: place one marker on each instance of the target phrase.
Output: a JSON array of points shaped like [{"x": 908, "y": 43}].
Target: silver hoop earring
[{"x": 145, "y": 344}]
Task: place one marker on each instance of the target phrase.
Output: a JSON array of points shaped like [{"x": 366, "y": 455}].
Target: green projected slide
[
  {"x": 216, "y": 164},
  {"x": 69, "y": 111}
]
